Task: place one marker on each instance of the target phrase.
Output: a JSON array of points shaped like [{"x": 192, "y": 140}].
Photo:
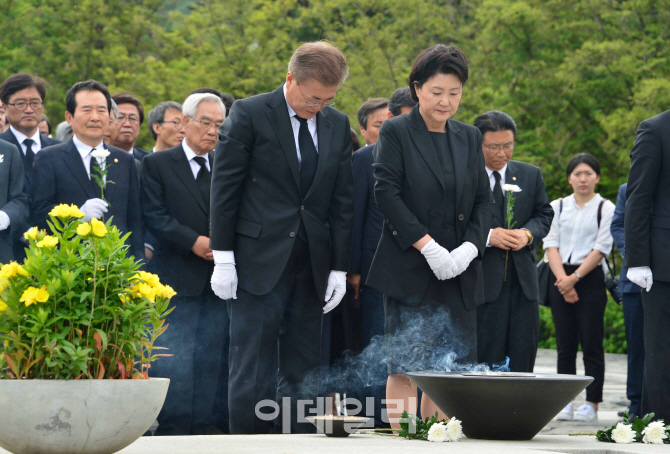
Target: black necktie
[
  {"x": 30, "y": 156},
  {"x": 498, "y": 194},
  {"x": 308, "y": 156},
  {"x": 203, "y": 179},
  {"x": 95, "y": 171}
]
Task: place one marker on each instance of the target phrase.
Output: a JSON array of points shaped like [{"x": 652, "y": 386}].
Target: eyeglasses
[
  {"x": 132, "y": 119},
  {"x": 207, "y": 124},
  {"x": 313, "y": 103},
  {"x": 22, "y": 105},
  {"x": 177, "y": 123},
  {"x": 496, "y": 147}
]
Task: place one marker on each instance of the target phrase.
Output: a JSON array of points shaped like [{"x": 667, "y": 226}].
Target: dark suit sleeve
[
  {"x": 156, "y": 217},
  {"x": 233, "y": 155},
  {"x": 389, "y": 172},
  {"x": 540, "y": 222},
  {"x": 341, "y": 212},
  {"x": 16, "y": 208},
  {"x": 616, "y": 227},
  {"x": 645, "y": 168},
  {"x": 43, "y": 190},
  {"x": 134, "y": 210},
  {"x": 361, "y": 186},
  {"x": 482, "y": 211}
]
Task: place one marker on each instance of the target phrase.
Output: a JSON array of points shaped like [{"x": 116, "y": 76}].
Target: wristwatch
[
  {"x": 529, "y": 235},
  {"x": 578, "y": 276}
]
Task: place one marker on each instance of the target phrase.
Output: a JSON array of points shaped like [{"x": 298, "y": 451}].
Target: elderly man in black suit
[
  {"x": 176, "y": 201},
  {"x": 647, "y": 225},
  {"x": 13, "y": 201},
  {"x": 62, "y": 173},
  {"x": 282, "y": 212},
  {"x": 128, "y": 123},
  {"x": 508, "y": 324},
  {"x": 23, "y": 95}
]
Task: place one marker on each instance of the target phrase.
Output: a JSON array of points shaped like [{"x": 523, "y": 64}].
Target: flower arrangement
[
  {"x": 641, "y": 430},
  {"x": 78, "y": 307},
  {"x": 510, "y": 189},
  {"x": 430, "y": 429}
]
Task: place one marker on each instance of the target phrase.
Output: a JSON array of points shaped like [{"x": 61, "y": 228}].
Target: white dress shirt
[
  {"x": 21, "y": 137},
  {"x": 311, "y": 125},
  {"x": 492, "y": 182},
  {"x": 190, "y": 154},
  {"x": 85, "y": 152},
  {"x": 575, "y": 232}
]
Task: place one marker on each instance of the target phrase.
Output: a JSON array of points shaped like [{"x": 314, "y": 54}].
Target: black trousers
[
  {"x": 196, "y": 336},
  {"x": 656, "y": 388},
  {"x": 285, "y": 322},
  {"x": 509, "y": 327},
  {"x": 633, "y": 314},
  {"x": 581, "y": 323}
]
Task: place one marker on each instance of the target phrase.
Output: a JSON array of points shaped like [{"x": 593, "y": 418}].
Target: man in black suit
[
  {"x": 62, "y": 173},
  {"x": 508, "y": 324},
  {"x": 647, "y": 225},
  {"x": 24, "y": 94},
  {"x": 128, "y": 123},
  {"x": 14, "y": 207},
  {"x": 176, "y": 201},
  {"x": 282, "y": 212}
]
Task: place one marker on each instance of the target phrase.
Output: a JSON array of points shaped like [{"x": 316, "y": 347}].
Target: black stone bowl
[
  {"x": 342, "y": 426},
  {"x": 502, "y": 406}
]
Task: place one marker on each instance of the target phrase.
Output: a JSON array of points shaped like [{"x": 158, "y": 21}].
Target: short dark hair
[
  {"x": 86, "y": 85},
  {"x": 227, "y": 98},
  {"x": 583, "y": 158},
  {"x": 494, "y": 121},
  {"x": 320, "y": 61},
  {"x": 45, "y": 118},
  {"x": 368, "y": 107},
  {"x": 400, "y": 98},
  {"x": 439, "y": 59},
  {"x": 125, "y": 97},
  {"x": 21, "y": 81},
  {"x": 157, "y": 114}
]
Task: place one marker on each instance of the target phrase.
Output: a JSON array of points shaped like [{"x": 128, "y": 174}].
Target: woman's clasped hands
[{"x": 446, "y": 265}]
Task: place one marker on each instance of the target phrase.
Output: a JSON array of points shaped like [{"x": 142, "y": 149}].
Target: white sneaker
[
  {"x": 586, "y": 413},
  {"x": 565, "y": 414}
]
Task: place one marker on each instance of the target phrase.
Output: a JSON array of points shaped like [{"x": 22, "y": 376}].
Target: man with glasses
[
  {"x": 23, "y": 98},
  {"x": 128, "y": 122},
  {"x": 166, "y": 125},
  {"x": 508, "y": 324},
  {"x": 281, "y": 224}
]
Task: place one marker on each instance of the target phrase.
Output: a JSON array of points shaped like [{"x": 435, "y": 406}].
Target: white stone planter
[{"x": 77, "y": 416}]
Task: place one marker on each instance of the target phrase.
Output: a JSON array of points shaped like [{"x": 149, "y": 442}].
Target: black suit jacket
[
  {"x": 60, "y": 177},
  {"x": 45, "y": 142},
  {"x": 140, "y": 154},
  {"x": 531, "y": 212},
  {"x": 256, "y": 203},
  {"x": 176, "y": 214},
  {"x": 13, "y": 201},
  {"x": 647, "y": 219},
  {"x": 368, "y": 220},
  {"x": 411, "y": 194}
]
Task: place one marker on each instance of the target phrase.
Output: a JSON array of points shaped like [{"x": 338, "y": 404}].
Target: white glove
[
  {"x": 4, "y": 221},
  {"x": 337, "y": 287},
  {"x": 94, "y": 208},
  {"x": 439, "y": 260},
  {"x": 641, "y": 275},
  {"x": 463, "y": 255},
  {"x": 224, "y": 281}
]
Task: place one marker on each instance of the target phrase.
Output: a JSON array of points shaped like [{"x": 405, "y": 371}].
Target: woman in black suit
[{"x": 433, "y": 190}]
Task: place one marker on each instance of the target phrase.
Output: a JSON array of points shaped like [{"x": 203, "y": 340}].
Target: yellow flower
[
  {"x": 42, "y": 295},
  {"x": 98, "y": 228},
  {"x": 83, "y": 229},
  {"x": 146, "y": 291},
  {"x": 3, "y": 306},
  {"x": 34, "y": 295},
  {"x": 12, "y": 269},
  {"x": 149, "y": 278},
  {"x": 48, "y": 241},
  {"x": 31, "y": 234},
  {"x": 66, "y": 211},
  {"x": 165, "y": 291}
]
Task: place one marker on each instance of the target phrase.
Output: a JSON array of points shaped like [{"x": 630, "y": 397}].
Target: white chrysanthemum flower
[
  {"x": 100, "y": 153},
  {"x": 623, "y": 433},
  {"x": 511, "y": 188},
  {"x": 654, "y": 433},
  {"x": 438, "y": 433},
  {"x": 454, "y": 429}
]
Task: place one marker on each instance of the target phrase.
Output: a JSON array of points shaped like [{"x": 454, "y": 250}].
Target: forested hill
[{"x": 577, "y": 76}]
